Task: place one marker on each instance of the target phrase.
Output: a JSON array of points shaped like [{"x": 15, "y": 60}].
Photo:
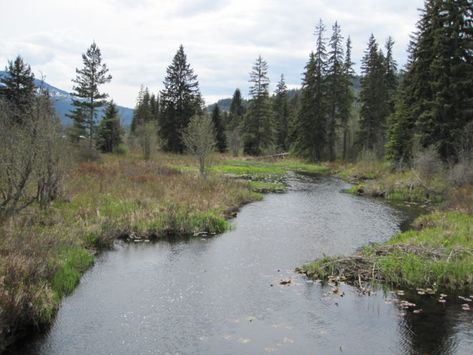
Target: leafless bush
[
  {"x": 147, "y": 137},
  {"x": 199, "y": 138},
  {"x": 464, "y": 146},
  {"x": 461, "y": 173},
  {"x": 234, "y": 140},
  {"x": 428, "y": 164},
  {"x": 53, "y": 151},
  {"x": 30, "y": 168},
  {"x": 368, "y": 156}
]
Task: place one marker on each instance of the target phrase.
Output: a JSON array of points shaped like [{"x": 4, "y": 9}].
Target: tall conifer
[
  {"x": 87, "y": 99},
  {"x": 180, "y": 100},
  {"x": 257, "y": 126}
]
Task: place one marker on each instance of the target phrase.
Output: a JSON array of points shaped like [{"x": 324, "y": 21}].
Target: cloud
[{"x": 138, "y": 38}]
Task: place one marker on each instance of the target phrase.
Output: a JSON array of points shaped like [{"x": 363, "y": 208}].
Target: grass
[
  {"x": 71, "y": 265},
  {"x": 450, "y": 236},
  {"x": 267, "y": 187},
  {"x": 257, "y": 169},
  {"x": 380, "y": 180}
]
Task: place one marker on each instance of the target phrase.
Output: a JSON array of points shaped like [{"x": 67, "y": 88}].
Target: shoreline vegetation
[
  {"x": 434, "y": 254},
  {"x": 45, "y": 252}
]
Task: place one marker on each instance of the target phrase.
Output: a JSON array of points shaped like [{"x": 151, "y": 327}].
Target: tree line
[{"x": 396, "y": 112}]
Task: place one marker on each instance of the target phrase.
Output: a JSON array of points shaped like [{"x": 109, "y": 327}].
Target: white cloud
[{"x": 138, "y": 38}]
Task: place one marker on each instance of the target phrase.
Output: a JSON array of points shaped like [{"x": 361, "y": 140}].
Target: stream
[{"x": 223, "y": 295}]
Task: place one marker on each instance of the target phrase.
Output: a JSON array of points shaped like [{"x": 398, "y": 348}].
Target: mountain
[{"x": 62, "y": 102}]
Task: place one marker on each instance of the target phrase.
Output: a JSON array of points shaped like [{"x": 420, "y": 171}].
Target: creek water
[{"x": 223, "y": 295}]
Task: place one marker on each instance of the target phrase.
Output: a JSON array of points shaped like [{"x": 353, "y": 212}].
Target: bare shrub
[
  {"x": 53, "y": 153},
  {"x": 461, "y": 173},
  {"x": 465, "y": 144},
  {"x": 427, "y": 163},
  {"x": 368, "y": 156},
  {"x": 234, "y": 141},
  {"x": 147, "y": 137},
  {"x": 199, "y": 138},
  {"x": 30, "y": 168}
]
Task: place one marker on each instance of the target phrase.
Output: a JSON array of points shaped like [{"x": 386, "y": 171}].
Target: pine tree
[
  {"x": 237, "y": 111},
  {"x": 180, "y": 100},
  {"x": 451, "y": 78},
  {"x": 87, "y": 97},
  {"x": 154, "y": 105},
  {"x": 391, "y": 73},
  {"x": 281, "y": 115},
  {"x": 109, "y": 132},
  {"x": 335, "y": 87},
  {"x": 18, "y": 86},
  {"x": 347, "y": 99},
  {"x": 374, "y": 100},
  {"x": 435, "y": 102},
  {"x": 144, "y": 109},
  {"x": 257, "y": 125},
  {"x": 311, "y": 125},
  {"x": 221, "y": 140},
  {"x": 414, "y": 91}
]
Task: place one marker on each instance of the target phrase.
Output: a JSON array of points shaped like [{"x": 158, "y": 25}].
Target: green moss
[{"x": 72, "y": 263}]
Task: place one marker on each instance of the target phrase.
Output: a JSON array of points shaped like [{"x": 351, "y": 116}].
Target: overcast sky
[{"x": 222, "y": 38}]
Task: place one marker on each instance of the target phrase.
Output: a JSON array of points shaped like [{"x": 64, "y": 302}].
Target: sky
[{"x": 222, "y": 38}]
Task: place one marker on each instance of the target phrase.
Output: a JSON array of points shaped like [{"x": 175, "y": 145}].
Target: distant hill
[{"x": 62, "y": 102}]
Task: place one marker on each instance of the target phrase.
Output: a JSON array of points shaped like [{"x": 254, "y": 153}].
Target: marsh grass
[
  {"x": 380, "y": 180},
  {"x": 437, "y": 253},
  {"x": 259, "y": 169}
]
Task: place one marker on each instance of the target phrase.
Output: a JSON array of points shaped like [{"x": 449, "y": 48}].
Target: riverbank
[
  {"x": 45, "y": 252},
  {"x": 435, "y": 254}
]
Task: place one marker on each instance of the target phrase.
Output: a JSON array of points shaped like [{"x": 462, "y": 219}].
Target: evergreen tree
[
  {"x": 180, "y": 100},
  {"x": 414, "y": 91},
  {"x": 257, "y": 125},
  {"x": 18, "y": 86},
  {"x": 347, "y": 99},
  {"x": 451, "y": 78},
  {"x": 237, "y": 111},
  {"x": 154, "y": 105},
  {"x": 109, "y": 132},
  {"x": 221, "y": 140},
  {"x": 144, "y": 109},
  {"x": 281, "y": 115},
  {"x": 391, "y": 73},
  {"x": 435, "y": 102},
  {"x": 311, "y": 125},
  {"x": 374, "y": 100},
  {"x": 336, "y": 87},
  {"x": 87, "y": 97}
]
